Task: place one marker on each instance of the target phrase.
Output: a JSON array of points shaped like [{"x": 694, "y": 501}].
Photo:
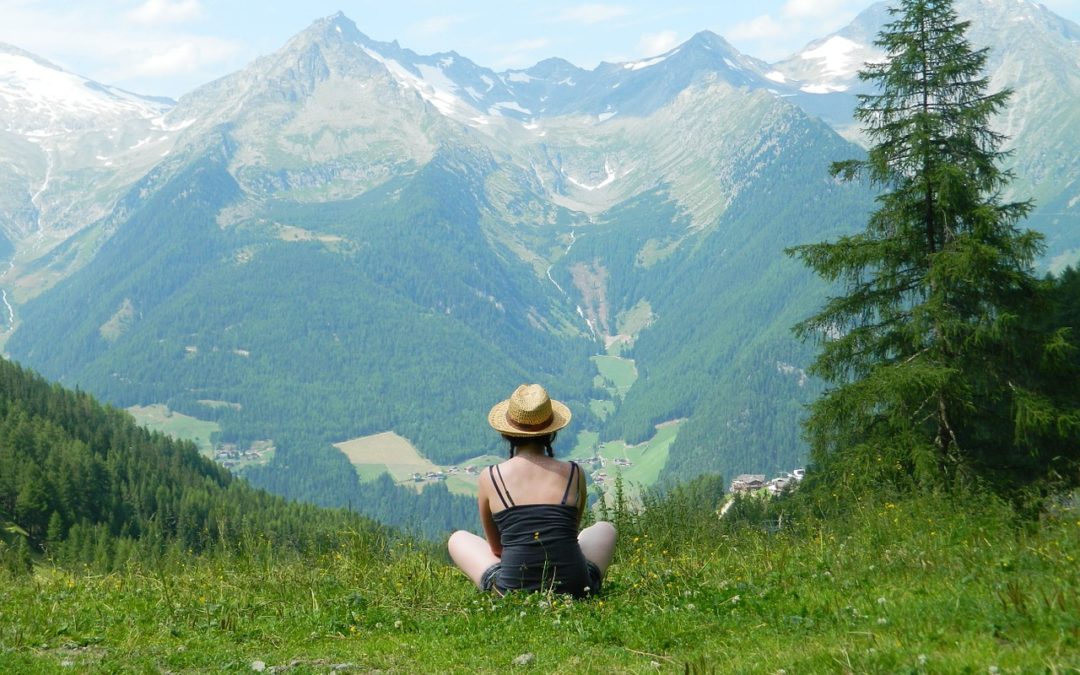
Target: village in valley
[
  {"x": 749, "y": 483},
  {"x": 232, "y": 456}
]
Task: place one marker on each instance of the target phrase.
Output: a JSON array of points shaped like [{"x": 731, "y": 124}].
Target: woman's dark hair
[{"x": 545, "y": 440}]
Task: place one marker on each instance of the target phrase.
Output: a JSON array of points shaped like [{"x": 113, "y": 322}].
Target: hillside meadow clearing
[
  {"x": 178, "y": 425},
  {"x": 927, "y": 585},
  {"x": 638, "y": 465},
  {"x": 390, "y": 453}
]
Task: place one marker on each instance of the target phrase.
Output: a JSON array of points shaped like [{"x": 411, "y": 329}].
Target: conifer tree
[{"x": 933, "y": 368}]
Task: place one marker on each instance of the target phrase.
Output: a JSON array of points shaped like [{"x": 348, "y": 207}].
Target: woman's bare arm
[
  {"x": 491, "y": 532},
  {"x": 583, "y": 497}
]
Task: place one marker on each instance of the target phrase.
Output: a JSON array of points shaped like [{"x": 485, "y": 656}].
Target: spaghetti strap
[
  {"x": 491, "y": 473},
  {"x": 504, "y": 488},
  {"x": 570, "y": 482}
]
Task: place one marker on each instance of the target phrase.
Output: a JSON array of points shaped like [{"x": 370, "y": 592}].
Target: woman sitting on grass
[{"x": 531, "y": 507}]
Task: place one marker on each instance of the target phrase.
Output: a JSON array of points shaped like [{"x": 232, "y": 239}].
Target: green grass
[
  {"x": 585, "y": 445},
  {"x": 636, "y": 319},
  {"x": 616, "y": 374},
  {"x": 369, "y": 472},
  {"x": 177, "y": 425},
  {"x": 646, "y": 459},
  {"x": 372, "y": 456},
  {"x": 601, "y": 408},
  {"x": 924, "y": 586}
]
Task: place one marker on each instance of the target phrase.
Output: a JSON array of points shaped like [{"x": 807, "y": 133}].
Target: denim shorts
[{"x": 491, "y": 575}]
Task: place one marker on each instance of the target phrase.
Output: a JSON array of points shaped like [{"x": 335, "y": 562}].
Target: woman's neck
[{"x": 531, "y": 449}]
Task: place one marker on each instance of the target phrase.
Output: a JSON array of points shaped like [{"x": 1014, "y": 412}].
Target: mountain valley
[{"x": 347, "y": 238}]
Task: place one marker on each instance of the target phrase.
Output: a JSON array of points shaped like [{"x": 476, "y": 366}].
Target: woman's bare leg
[
  {"x": 471, "y": 553},
  {"x": 598, "y": 543}
]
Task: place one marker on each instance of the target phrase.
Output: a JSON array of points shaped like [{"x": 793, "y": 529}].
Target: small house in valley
[{"x": 748, "y": 482}]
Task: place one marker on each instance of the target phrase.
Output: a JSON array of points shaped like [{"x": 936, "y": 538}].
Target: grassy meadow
[
  {"x": 638, "y": 465},
  {"x": 390, "y": 453},
  {"x": 925, "y": 585},
  {"x": 615, "y": 374},
  {"x": 169, "y": 422}
]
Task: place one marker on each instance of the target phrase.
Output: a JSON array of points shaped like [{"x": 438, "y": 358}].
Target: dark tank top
[{"x": 540, "y": 546}]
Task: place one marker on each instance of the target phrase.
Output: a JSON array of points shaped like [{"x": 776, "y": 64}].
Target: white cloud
[
  {"x": 166, "y": 11},
  {"x": 180, "y": 57},
  {"x": 814, "y": 9},
  {"x": 1066, "y": 8},
  {"x": 652, "y": 44},
  {"x": 520, "y": 54},
  {"x": 436, "y": 25},
  {"x": 771, "y": 36},
  {"x": 91, "y": 40},
  {"x": 593, "y": 13},
  {"x": 759, "y": 28}
]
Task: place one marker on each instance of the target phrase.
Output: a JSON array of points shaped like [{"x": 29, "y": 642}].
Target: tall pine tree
[{"x": 935, "y": 372}]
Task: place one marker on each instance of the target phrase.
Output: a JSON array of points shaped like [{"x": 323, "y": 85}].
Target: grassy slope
[
  {"x": 177, "y": 425},
  {"x": 908, "y": 587}
]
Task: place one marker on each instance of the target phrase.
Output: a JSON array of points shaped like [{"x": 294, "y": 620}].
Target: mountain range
[{"x": 347, "y": 237}]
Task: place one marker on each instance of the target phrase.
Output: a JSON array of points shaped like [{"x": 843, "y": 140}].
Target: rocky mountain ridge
[{"x": 62, "y": 130}]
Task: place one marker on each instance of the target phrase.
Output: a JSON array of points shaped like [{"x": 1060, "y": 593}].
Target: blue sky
[{"x": 168, "y": 47}]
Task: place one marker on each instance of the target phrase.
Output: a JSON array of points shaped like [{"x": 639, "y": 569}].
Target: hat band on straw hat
[{"x": 527, "y": 427}]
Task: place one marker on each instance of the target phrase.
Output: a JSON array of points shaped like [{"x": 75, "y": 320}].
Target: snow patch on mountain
[
  {"x": 823, "y": 88},
  {"x": 602, "y": 184},
  {"x": 47, "y": 95},
  {"x": 838, "y": 61},
  {"x": 432, "y": 85},
  {"x": 436, "y": 78},
  {"x": 161, "y": 124},
  {"x": 639, "y": 65},
  {"x": 496, "y": 108}
]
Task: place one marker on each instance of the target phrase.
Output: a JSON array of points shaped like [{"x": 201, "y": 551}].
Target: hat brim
[{"x": 560, "y": 417}]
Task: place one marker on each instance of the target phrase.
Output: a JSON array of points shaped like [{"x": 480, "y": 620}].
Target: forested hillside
[
  {"x": 369, "y": 314},
  {"x": 389, "y": 311},
  {"x": 85, "y": 484},
  {"x": 719, "y": 350}
]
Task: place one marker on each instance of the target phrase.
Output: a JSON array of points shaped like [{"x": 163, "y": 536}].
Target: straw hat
[{"x": 528, "y": 412}]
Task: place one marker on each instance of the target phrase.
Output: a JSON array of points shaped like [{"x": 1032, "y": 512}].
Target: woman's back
[
  {"x": 531, "y": 507},
  {"x": 538, "y": 527},
  {"x": 531, "y": 479}
]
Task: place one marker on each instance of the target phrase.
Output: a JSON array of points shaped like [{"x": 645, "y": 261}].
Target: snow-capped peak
[
  {"x": 33, "y": 90},
  {"x": 838, "y": 60}
]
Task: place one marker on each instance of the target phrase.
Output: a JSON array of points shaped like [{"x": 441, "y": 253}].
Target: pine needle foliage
[{"x": 935, "y": 369}]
